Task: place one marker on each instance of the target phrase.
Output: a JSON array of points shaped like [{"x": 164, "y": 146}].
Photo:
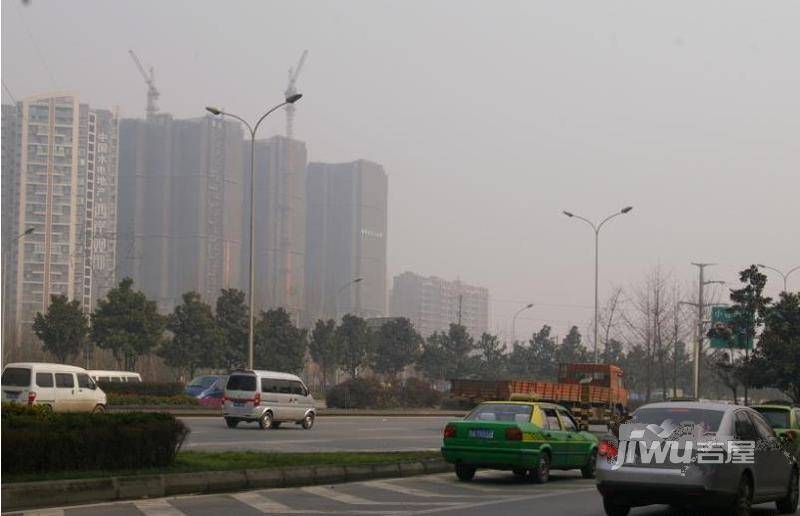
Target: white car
[
  {"x": 267, "y": 398},
  {"x": 63, "y": 388},
  {"x": 115, "y": 376}
]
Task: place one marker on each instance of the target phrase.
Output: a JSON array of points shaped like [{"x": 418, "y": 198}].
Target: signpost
[{"x": 724, "y": 335}]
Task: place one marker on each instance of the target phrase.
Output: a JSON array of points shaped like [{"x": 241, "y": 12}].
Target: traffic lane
[
  {"x": 491, "y": 492},
  {"x": 330, "y": 433}
]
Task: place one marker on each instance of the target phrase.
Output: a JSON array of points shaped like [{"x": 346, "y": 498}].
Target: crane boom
[
  {"x": 149, "y": 79},
  {"x": 294, "y": 73}
]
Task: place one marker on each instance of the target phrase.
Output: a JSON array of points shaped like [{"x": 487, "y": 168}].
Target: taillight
[
  {"x": 450, "y": 432},
  {"x": 513, "y": 434},
  {"x": 31, "y": 397},
  {"x": 257, "y": 399},
  {"x": 607, "y": 449},
  {"x": 792, "y": 435},
  {"x": 225, "y": 398}
]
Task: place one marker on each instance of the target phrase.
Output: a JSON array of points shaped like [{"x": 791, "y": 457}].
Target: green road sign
[{"x": 723, "y": 333}]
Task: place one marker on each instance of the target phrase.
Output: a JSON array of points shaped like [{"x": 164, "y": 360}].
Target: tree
[
  {"x": 127, "y": 323},
  {"x": 571, "y": 350},
  {"x": 63, "y": 329},
  {"x": 325, "y": 348},
  {"x": 431, "y": 361},
  {"x": 279, "y": 344},
  {"x": 196, "y": 340},
  {"x": 397, "y": 345},
  {"x": 614, "y": 353},
  {"x": 492, "y": 359},
  {"x": 778, "y": 353},
  {"x": 544, "y": 354},
  {"x": 448, "y": 355},
  {"x": 356, "y": 343},
  {"x": 232, "y": 316}
]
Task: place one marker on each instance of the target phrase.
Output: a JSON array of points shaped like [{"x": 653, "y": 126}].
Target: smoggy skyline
[{"x": 489, "y": 119}]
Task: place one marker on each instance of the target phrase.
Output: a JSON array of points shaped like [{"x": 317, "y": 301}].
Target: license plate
[
  {"x": 12, "y": 395},
  {"x": 481, "y": 433},
  {"x": 238, "y": 404}
]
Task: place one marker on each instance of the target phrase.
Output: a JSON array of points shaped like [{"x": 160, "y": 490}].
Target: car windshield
[
  {"x": 202, "y": 381},
  {"x": 242, "y": 382},
  {"x": 777, "y": 418},
  {"x": 500, "y": 412},
  {"x": 16, "y": 377},
  {"x": 671, "y": 417}
]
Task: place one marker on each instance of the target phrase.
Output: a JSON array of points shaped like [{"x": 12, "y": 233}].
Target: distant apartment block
[
  {"x": 59, "y": 181},
  {"x": 180, "y": 208},
  {"x": 346, "y": 239},
  {"x": 280, "y": 199},
  {"x": 432, "y": 304}
]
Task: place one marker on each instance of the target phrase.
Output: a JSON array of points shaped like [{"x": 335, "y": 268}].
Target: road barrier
[{"x": 58, "y": 493}]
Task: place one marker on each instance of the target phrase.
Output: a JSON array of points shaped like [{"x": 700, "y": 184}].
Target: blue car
[{"x": 208, "y": 389}]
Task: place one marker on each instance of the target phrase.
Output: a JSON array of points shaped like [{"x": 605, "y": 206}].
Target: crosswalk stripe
[
  {"x": 336, "y": 495},
  {"x": 471, "y": 486},
  {"x": 157, "y": 508},
  {"x": 411, "y": 491},
  {"x": 262, "y": 503},
  {"x": 44, "y": 512}
]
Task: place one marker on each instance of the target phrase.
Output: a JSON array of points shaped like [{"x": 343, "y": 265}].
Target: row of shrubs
[
  {"x": 137, "y": 399},
  {"x": 36, "y": 440},
  {"x": 143, "y": 388},
  {"x": 369, "y": 393}
]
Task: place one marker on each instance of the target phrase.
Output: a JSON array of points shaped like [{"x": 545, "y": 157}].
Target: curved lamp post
[
  {"x": 514, "y": 321},
  {"x": 339, "y": 291},
  {"x": 785, "y": 276},
  {"x": 596, "y": 228},
  {"x": 253, "y": 129}
]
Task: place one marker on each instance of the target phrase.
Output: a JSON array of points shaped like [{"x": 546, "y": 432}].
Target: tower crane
[
  {"x": 291, "y": 90},
  {"x": 152, "y": 92}
]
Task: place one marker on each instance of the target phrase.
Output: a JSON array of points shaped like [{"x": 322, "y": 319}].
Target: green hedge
[
  {"x": 143, "y": 388},
  {"x": 136, "y": 399},
  {"x": 369, "y": 393},
  {"x": 38, "y": 441}
]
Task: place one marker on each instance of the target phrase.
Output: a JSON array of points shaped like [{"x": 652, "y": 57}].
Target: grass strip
[{"x": 195, "y": 461}]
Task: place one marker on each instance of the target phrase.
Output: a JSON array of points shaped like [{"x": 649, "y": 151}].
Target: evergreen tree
[{"x": 63, "y": 329}]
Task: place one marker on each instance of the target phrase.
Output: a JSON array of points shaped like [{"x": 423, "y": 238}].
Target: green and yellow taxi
[
  {"x": 528, "y": 438},
  {"x": 785, "y": 420}
]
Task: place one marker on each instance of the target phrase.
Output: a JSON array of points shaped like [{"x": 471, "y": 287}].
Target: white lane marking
[
  {"x": 411, "y": 491},
  {"x": 472, "y": 505},
  {"x": 160, "y": 507},
  {"x": 338, "y": 496},
  {"x": 44, "y": 512},
  {"x": 261, "y": 503},
  {"x": 472, "y": 486}
]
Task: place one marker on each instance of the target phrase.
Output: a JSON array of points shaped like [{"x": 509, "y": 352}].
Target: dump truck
[{"x": 593, "y": 392}]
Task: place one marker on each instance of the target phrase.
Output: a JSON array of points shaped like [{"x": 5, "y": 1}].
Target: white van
[
  {"x": 114, "y": 376},
  {"x": 268, "y": 398},
  {"x": 63, "y": 388}
]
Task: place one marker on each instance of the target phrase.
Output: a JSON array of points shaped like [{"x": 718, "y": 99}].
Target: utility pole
[
  {"x": 460, "y": 301},
  {"x": 701, "y": 307}
]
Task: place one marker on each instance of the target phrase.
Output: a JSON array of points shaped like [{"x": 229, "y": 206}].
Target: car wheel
[
  {"x": 308, "y": 421},
  {"x": 98, "y": 409},
  {"x": 266, "y": 421},
  {"x": 232, "y": 423},
  {"x": 615, "y": 509},
  {"x": 541, "y": 473},
  {"x": 520, "y": 472},
  {"x": 744, "y": 498},
  {"x": 465, "y": 472},
  {"x": 588, "y": 471},
  {"x": 788, "y": 505}
]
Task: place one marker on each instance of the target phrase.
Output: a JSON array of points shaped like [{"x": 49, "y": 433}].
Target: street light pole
[
  {"x": 514, "y": 321},
  {"x": 6, "y": 304},
  {"x": 339, "y": 291},
  {"x": 596, "y": 228},
  {"x": 253, "y": 129},
  {"x": 785, "y": 276}
]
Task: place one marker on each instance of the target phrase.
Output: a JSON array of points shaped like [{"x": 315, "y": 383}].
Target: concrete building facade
[
  {"x": 60, "y": 169},
  {"x": 346, "y": 239},
  {"x": 432, "y": 304},
  {"x": 180, "y": 208}
]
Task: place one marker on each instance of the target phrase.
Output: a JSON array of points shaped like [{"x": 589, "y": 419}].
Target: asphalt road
[
  {"x": 495, "y": 493},
  {"x": 330, "y": 433}
]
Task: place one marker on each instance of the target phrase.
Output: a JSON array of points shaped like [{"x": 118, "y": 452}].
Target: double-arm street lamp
[
  {"x": 785, "y": 276},
  {"x": 596, "y": 228},
  {"x": 253, "y": 129},
  {"x": 514, "y": 321}
]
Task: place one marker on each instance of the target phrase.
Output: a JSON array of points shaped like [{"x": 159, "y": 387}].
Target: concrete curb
[
  {"x": 58, "y": 493},
  {"x": 321, "y": 412}
]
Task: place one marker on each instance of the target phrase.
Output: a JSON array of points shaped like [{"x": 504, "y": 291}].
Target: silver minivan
[{"x": 268, "y": 398}]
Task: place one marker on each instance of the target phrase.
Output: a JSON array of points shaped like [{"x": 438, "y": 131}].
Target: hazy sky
[{"x": 490, "y": 119}]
